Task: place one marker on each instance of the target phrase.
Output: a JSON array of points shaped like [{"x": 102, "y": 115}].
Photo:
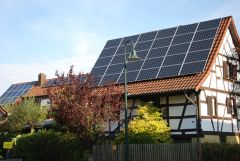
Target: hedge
[
  {"x": 56, "y": 146},
  {"x": 49, "y": 146},
  {"x": 220, "y": 152},
  {"x": 5, "y": 137}
]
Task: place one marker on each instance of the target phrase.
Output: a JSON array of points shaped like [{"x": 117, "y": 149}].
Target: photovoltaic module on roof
[
  {"x": 170, "y": 52},
  {"x": 15, "y": 91}
]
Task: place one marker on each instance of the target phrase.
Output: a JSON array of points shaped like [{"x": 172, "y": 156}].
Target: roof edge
[{"x": 215, "y": 50}]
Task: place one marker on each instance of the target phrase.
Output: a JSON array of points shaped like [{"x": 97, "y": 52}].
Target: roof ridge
[{"x": 24, "y": 82}]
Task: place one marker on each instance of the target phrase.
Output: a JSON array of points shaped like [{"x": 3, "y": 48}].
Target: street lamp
[{"x": 132, "y": 57}]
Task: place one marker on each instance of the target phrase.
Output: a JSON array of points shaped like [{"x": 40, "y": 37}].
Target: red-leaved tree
[{"x": 81, "y": 106}]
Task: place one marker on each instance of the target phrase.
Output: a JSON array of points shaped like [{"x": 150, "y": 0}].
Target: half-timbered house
[{"x": 190, "y": 72}]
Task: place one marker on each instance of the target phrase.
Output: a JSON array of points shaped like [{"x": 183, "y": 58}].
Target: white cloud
[
  {"x": 84, "y": 49},
  {"x": 16, "y": 73}
]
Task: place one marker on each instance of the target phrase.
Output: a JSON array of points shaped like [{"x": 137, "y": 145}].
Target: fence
[{"x": 148, "y": 152}]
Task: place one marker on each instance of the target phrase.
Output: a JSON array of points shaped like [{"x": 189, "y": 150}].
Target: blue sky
[{"x": 48, "y": 35}]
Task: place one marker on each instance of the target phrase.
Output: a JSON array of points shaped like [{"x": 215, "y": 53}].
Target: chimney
[{"x": 41, "y": 79}]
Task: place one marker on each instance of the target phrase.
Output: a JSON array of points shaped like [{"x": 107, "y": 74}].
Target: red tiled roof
[{"x": 36, "y": 91}]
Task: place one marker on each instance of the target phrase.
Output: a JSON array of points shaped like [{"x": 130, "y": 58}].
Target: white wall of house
[
  {"x": 182, "y": 116},
  {"x": 216, "y": 86}
]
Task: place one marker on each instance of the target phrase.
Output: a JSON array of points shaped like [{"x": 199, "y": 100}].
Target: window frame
[{"x": 212, "y": 107}]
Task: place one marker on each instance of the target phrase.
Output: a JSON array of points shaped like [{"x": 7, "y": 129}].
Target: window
[
  {"x": 46, "y": 102},
  {"x": 229, "y": 104},
  {"x": 212, "y": 105},
  {"x": 229, "y": 71},
  {"x": 232, "y": 106}
]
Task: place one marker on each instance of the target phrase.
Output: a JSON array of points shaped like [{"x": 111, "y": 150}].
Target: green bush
[
  {"x": 221, "y": 152},
  {"x": 49, "y": 146},
  {"x": 147, "y": 127}
]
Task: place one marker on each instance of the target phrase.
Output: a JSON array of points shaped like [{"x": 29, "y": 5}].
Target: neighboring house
[
  {"x": 19, "y": 91},
  {"x": 190, "y": 72}
]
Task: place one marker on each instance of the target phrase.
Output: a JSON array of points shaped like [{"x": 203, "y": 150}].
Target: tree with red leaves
[{"x": 81, "y": 106}]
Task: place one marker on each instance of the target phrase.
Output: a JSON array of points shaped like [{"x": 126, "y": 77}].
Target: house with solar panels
[
  {"x": 17, "y": 92},
  {"x": 190, "y": 72}
]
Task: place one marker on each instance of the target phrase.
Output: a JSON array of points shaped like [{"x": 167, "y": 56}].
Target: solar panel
[
  {"x": 111, "y": 78},
  {"x": 113, "y": 43},
  {"x": 186, "y": 28},
  {"x": 157, "y": 52},
  {"x": 166, "y": 32},
  {"x": 197, "y": 56},
  {"x": 165, "y": 53},
  {"x": 174, "y": 59},
  {"x": 178, "y": 49},
  {"x": 206, "y": 34},
  {"x": 169, "y": 71},
  {"x": 131, "y": 76},
  {"x": 147, "y": 36},
  {"x": 103, "y": 61},
  {"x": 108, "y": 51},
  {"x": 15, "y": 91},
  {"x": 152, "y": 63},
  {"x": 193, "y": 67},
  {"x": 162, "y": 42},
  {"x": 179, "y": 39},
  {"x": 146, "y": 74},
  {"x": 96, "y": 71},
  {"x": 133, "y": 38}
]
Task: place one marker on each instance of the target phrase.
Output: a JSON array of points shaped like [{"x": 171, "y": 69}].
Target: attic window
[
  {"x": 212, "y": 105},
  {"x": 229, "y": 71}
]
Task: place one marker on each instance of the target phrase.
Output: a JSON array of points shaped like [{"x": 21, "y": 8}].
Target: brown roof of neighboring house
[{"x": 36, "y": 91}]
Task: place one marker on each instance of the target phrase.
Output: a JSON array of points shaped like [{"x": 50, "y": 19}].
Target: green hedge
[
  {"x": 4, "y": 137},
  {"x": 49, "y": 146},
  {"x": 56, "y": 146},
  {"x": 221, "y": 152}
]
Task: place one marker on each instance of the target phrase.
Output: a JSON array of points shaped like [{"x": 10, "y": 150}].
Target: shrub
[
  {"x": 220, "y": 152},
  {"x": 27, "y": 112},
  {"x": 49, "y": 146},
  {"x": 147, "y": 127}
]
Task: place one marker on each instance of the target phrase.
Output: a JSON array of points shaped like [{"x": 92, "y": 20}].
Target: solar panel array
[
  {"x": 165, "y": 53},
  {"x": 51, "y": 82},
  {"x": 15, "y": 91}
]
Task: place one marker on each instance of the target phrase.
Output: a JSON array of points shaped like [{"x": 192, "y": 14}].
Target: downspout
[
  {"x": 197, "y": 115},
  {"x": 199, "y": 154}
]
